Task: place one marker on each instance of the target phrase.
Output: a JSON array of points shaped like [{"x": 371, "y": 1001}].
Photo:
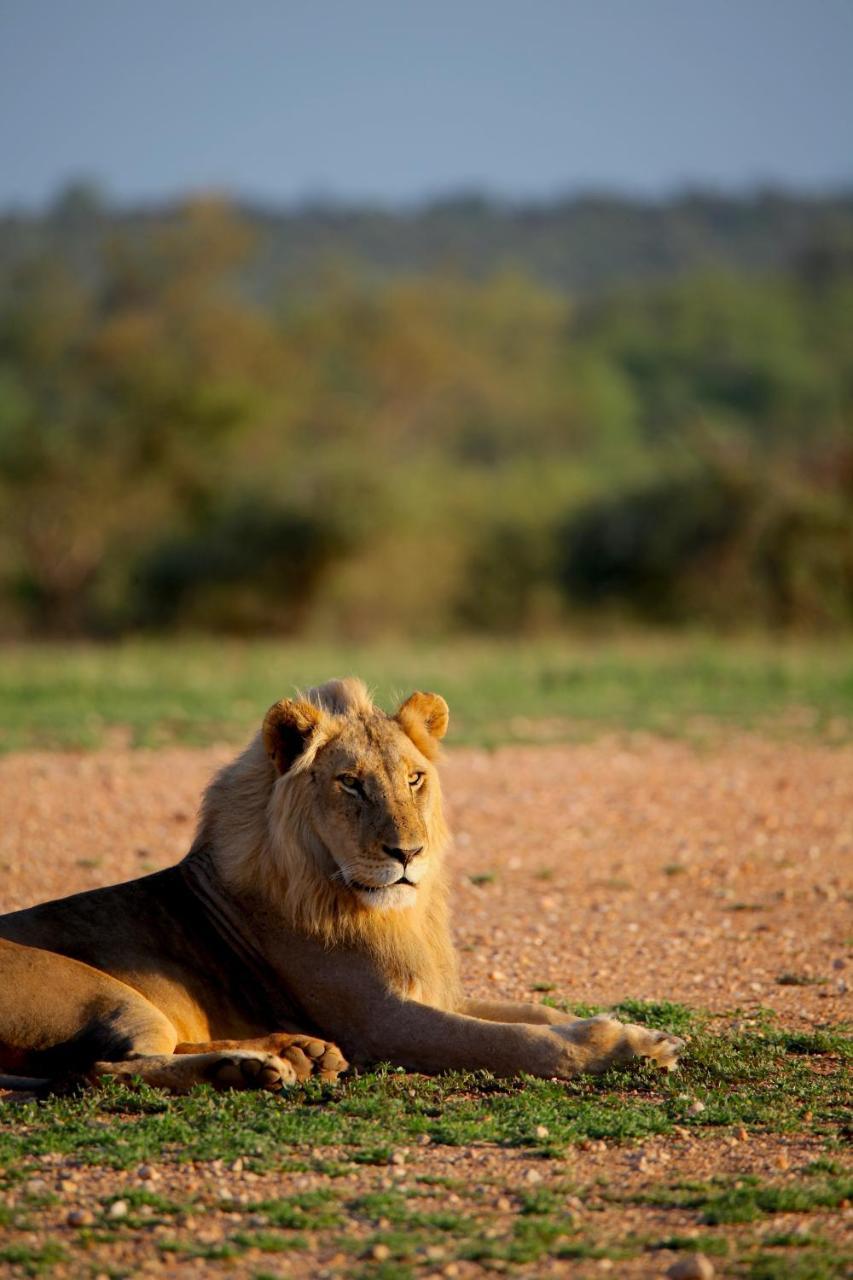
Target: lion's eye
[
  {"x": 416, "y": 780},
  {"x": 350, "y": 783}
]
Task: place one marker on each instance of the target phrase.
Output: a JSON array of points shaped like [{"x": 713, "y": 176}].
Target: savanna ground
[{"x": 665, "y": 828}]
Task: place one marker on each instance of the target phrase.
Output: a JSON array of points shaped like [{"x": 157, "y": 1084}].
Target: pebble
[
  {"x": 696, "y": 1267},
  {"x": 696, "y": 1108},
  {"x": 80, "y": 1218},
  {"x": 380, "y": 1253},
  {"x": 118, "y": 1209},
  {"x": 542, "y": 1131}
]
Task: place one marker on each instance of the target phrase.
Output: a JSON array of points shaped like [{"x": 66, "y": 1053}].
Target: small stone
[
  {"x": 80, "y": 1218},
  {"x": 782, "y": 1161},
  {"x": 434, "y": 1252},
  {"x": 380, "y": 1253},
  {"x": 542, "y": 1131},
  {"x": 533, "y": 1175},
  {"x": 696, "y": 1267},
  {"x": 424, "y": 1140},
  {"x": 36, "y": 1187},
  {"x": 503, "y": 1204},
  {"x": 147, "y": 1174},
  {"x": 696, "y": 1108},
  {"x": 398, "y": 1158},
  {"x": 118, "y": 1209},
  {"x": 741, "y": 1134},
  {"x": 452, "y": 1269},
  {"x": 236, "y": 1166}
]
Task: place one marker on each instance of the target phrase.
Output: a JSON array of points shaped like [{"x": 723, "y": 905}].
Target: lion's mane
[{"x": 258, "y": 829}]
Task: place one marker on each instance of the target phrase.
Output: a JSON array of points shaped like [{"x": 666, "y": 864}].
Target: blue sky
[{"x": 396, "y": 100}]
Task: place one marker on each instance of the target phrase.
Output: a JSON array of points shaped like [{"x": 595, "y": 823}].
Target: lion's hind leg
[
  {"x": 59, "y": 1016},
  {"x": 307, "y": 1055}
]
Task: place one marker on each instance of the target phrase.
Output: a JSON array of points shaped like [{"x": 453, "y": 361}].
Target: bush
[
  {"x": 250, "y": 568},
  {"x": 717, "y": 545}
]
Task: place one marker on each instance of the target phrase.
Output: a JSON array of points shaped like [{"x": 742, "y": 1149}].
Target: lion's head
[
  {"x": 360, "y": 789},
  {"x": 333, "y": 814}
]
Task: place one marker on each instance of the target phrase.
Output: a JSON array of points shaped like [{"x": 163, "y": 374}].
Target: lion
[{"x": 307, "y": 928}]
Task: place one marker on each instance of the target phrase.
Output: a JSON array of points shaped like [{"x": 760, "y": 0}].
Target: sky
[{"x": 402, "y": 100}]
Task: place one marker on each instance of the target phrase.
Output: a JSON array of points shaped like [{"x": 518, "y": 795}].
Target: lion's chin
[{"x": 387, "y": 897}]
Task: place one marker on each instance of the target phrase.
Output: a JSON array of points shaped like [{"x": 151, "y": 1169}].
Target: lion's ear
[
  {"x": 424, "y": 717},
  {"x": 288, "y": 727}
]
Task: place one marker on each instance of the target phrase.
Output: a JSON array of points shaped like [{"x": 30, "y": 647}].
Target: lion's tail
[{"x": 23, "y": 1084}]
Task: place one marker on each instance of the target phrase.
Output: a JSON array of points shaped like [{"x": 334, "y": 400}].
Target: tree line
[{"x": 355, "y": 451}]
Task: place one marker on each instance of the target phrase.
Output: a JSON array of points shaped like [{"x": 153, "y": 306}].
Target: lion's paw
[
  {"x": 597, "y": 1044},
  {"x": 247, "y": 1069},
  {"x": 310, "y": 1056},
  {"x": 662, "y": 1047}
]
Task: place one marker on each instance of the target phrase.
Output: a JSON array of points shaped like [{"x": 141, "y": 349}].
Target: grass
[
  {"x": 180, "y": 691},
  {"x": 413, "y": 1223},
  {"x": 766, "y": 1079}
]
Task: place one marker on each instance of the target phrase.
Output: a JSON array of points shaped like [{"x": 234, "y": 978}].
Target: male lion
[{"x": 310, "y": 912}]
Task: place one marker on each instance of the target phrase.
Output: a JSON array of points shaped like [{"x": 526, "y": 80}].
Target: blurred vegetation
[{"x": 373, "y": 446}]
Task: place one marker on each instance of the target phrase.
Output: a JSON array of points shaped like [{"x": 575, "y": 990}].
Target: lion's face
[{"x": 364, "y": 789}]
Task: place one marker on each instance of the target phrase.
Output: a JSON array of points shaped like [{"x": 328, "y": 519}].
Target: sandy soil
[{"x": 627, "y": 867}]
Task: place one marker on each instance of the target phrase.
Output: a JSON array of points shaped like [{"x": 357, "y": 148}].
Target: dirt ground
[{"x": 628, "y": 867}]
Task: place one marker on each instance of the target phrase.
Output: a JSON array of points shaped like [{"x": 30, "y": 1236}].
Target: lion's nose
[{"x": 403, "y": 856}]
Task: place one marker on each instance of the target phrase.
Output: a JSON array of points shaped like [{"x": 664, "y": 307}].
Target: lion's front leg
[
  {"x": 514, "y": 1011},
  {"x": 307, "y": 1055}
]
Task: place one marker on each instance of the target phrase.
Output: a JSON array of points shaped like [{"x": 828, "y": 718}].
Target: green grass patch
[
  {"x": 309, "y": 1210},
  {"x": 748, "y": 1199},
  {"x": 33, "y": 1260},
  {"x": 195, "y": 692},
  {"x": 812, "y": 1264}
]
